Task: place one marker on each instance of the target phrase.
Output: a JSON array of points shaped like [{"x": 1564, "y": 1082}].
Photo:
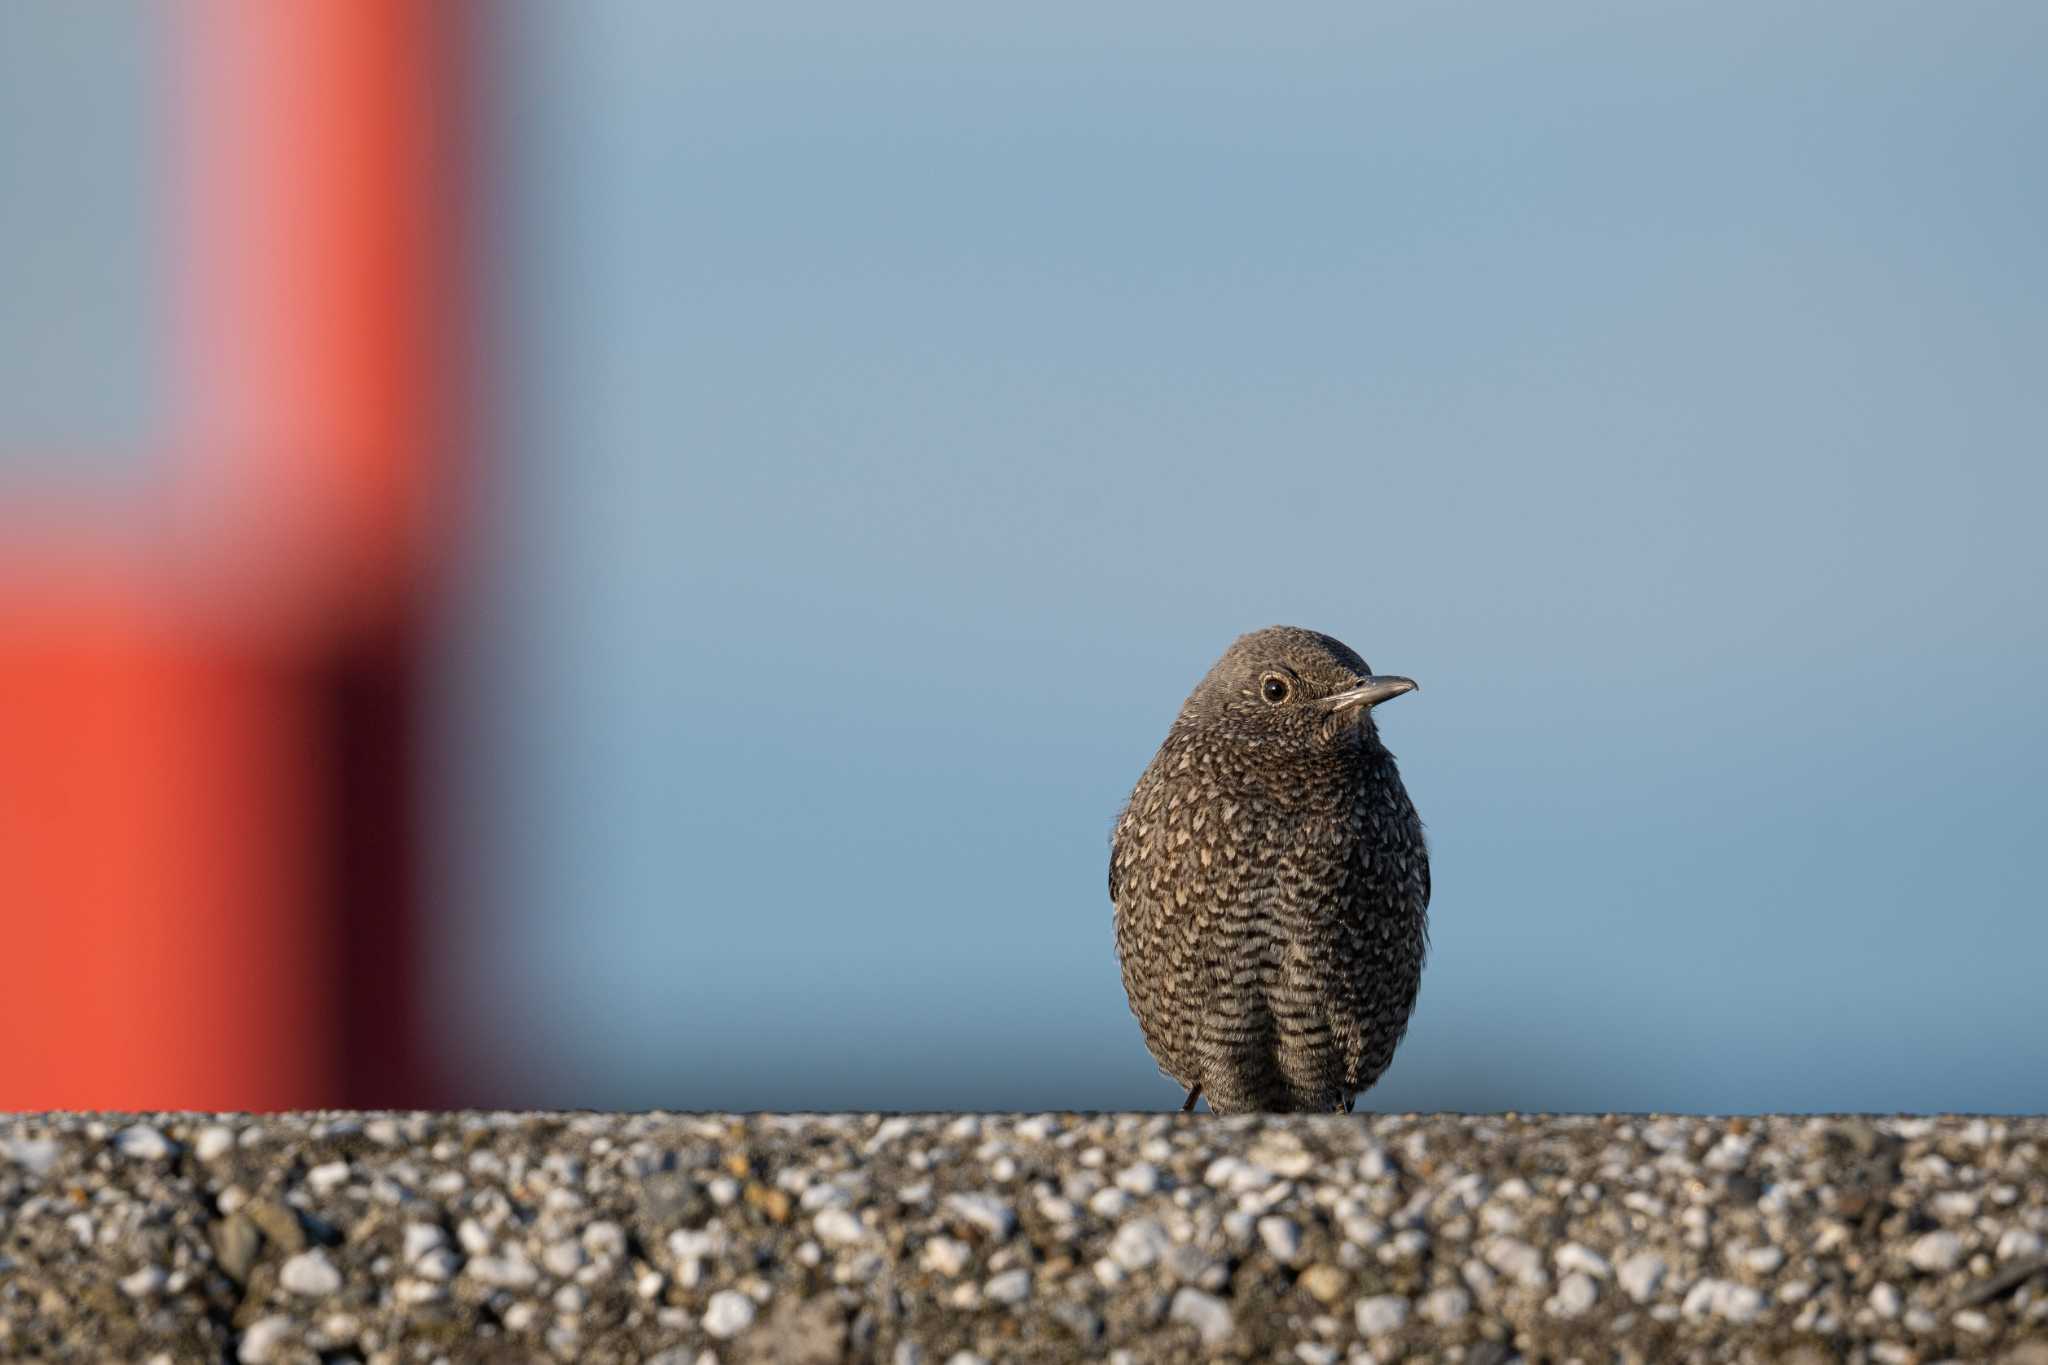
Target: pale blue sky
[{"x": 906, "y": 405}]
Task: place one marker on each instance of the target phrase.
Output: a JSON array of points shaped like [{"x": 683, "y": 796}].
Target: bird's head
[{"x": 1285, "y": 683}]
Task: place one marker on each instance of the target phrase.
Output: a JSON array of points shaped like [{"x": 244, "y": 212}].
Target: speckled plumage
[{"x": 1271, "y": 884}]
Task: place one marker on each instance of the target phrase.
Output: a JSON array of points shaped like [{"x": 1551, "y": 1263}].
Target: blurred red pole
[{"x": 207, "y": 879}]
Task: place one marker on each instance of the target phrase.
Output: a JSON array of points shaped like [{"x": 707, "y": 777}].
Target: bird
[{"x": 1270, "y": 883}]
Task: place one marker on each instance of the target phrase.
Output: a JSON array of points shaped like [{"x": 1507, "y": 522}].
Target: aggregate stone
[{"x": 400, "y": 1239}]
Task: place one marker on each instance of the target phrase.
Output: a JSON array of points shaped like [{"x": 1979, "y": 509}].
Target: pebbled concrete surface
[{"x": 944, "y": 1240}]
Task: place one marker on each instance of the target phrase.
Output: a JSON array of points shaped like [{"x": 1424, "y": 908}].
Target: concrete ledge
[{"x": 1139, "y": 1238}]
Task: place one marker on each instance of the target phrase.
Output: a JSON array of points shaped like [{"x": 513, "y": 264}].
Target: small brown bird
[{"x": 1271, "y": 884}]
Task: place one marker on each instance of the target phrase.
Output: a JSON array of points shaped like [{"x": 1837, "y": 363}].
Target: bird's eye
[{"x": 1276, "y": 689}]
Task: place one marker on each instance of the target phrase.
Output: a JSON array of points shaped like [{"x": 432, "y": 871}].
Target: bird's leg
[
  {"x": 1193, "y": 1095},
  {"x": 1349, "y": 1100}
]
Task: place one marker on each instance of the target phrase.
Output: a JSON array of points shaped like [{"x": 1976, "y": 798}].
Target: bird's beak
[{"x": 1370, "y": 692}]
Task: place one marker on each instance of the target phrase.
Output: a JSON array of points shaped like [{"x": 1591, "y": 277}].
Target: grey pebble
[
  {"x": 236, "y": 1243},
  {"x": 1084, "y": 1322},
  {"x": 1010, "y": 1287}
]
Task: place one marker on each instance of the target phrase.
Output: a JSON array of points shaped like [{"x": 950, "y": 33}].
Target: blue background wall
[{"x": 907, "y": 404}]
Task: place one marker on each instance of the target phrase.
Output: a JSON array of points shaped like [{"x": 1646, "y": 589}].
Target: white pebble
[
  {"x": 214, "y": 1142},
  {"x": 261, "y": 1340},
  {"x": 1970, "y": 1320},
  {"x": 1381, "y": 1314},
  {"x": 1281, "y": 1237},
  {"x": 992, "y": 1215},
  {"x": 144, "y": 1143},
  {"x": 511, "y": 1271},
  {"x": 1723, "y": 1299},
  {"x": 2019, "y": 1244},
  {"x": 1208, "y": 1315},
  {"x": 839, "y": 1227},
  {"x": 144, "y": 1282},
  {"x": 1109, "y": 1202},
  {"x": 1139, "y": 1244},
  {"x": 326, "y": 1177},
  {"x": 1573, "y": 1256},
  {"x": 1884, "y": 1300},
  {"x": 421, "y": 1238},
  {"x": 946, "y": 1255},
  {"x": 1282, "y": 1154},
  {"x": 1012, "y": 1286},
  {"x": 1575, "y": 1294},
  {"x": 1236, "y": 1175},
  {"x": 1763, "y": 1260},
  {"x": 649, "y": 1285},
  {"x": 908, "y": 1353},
  {"x": 1141, "y": 1179},
  {"x": 563, "y": 1258},
  {"x": 729, "y": 1313},
  {"x": 1936, "y": 1253},
  {"x": 1406, "y": 1245},
  {"x": 1642, "y": 1275},
  {"x": 692, "y": 1244},
  {"x": 1316, "y": 1353},
  {"x": 440, "y": 1263},
  {"x": 1446, "y": 1306},
  {"x": 1511, "y": 1256},
  {"x": 310, "y": 1273}
]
